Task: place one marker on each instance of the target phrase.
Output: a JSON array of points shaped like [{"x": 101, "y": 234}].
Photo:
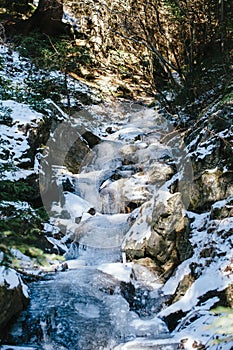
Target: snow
[
  {"x": 199, "y": 331},
  {"x": 57, "y": 243},
  {"x": 14, "y": 139},
  {"x": 75, "y": 205},
  {"x": 171, "y": 285},
  {"x": 119, "y": 271},
  {"x": 63, "y": 115},
  {"x": 141, "y": 229},
  {"x": 75, "y": 264},
  {"x": 203, "y": 151},
  {"x": 25, "y": 290},
  {"x": 215, "y": 276},
  {"x": 9, "y": 277},
  {"x": 22, "y": 113},
  {"x": 163, "y": 195},
  {"x": 15, "y": 73},
  {"x": 17, "y": 254},
  {"x": 222, "y": 203},
  {"x": 17, "y": 205},
  {"x": 212, "y": 279},
  {"x": 225, "y": 133},
  {"x": 127, "y": 134}
]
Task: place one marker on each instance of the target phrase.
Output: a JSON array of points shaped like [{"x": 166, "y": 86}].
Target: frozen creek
[
  {"x": 83, "y": 307},
  {"x": 103, "y": 301},
  {"x": 105, "y": 207}
]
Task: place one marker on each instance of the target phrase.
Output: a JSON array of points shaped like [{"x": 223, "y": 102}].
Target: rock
[
  {"x": 13, "y": 295},
  {"x": 63, "y": 267},
  {"x": 211, "y": 186},
  {"x": 126, "y": 192},
  {"x": 66, "y": 147},
  {"x": 161, "y": 233},
  {"x": 47, "y": 18},
  {"x": 209, "y": 142},
  {"x": 147, "y": 272},
  {"x": 229, "y": 294},
  {"x": 183, "y": 286},
  {"x": 222, "y": 209},
  {"x": 90, "y": 138}
]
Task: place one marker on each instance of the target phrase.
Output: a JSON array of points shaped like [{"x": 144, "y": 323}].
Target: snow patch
[
  {"x": 9, "y": 277},
  {"x": 120, "y": 271}
]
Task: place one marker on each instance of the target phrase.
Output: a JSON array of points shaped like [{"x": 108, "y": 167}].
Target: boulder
[
  {"x": 210, "y": 186},
  {"x": 160, "y": 232},
  {"x": 209, "y": 143},
  {"x": 66, "y": 147},
  {"x": 13, "y": 295},
  {"x": 222, "y": 209}
]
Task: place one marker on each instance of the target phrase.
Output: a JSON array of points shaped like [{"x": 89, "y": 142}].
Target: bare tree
[{"x": 175, "y": 36}]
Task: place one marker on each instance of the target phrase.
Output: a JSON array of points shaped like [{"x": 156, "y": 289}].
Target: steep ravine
[{"x": 143, "y": 221}]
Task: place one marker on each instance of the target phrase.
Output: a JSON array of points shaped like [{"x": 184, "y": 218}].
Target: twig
[{"x": 52, "y": 43}]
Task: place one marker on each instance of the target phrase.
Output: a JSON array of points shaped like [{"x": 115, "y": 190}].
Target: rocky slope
[{"x": 203, "y": 281}]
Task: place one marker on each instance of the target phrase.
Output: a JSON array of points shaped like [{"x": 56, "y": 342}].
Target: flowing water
[{"x": 85, "y": 308}]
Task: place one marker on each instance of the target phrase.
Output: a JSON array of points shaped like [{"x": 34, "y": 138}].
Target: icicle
[{"x": 124, "y": 258}]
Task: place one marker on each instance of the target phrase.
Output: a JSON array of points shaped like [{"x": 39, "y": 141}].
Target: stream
[{"x": 97, "y": 302}]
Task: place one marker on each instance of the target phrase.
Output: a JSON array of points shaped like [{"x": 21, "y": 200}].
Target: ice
[
  {"x": 136, "y": 140},
  {"x": 14, "y": 347},
  {"x": 75, "y": 205},
  {"x": 148, "y": 344},
  {"x": 102, "y": 231},
  {"x": 151, "y": 327},
  {"x": 87, "y": 309}
]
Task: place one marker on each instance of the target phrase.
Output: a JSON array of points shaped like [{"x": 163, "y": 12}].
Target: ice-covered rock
[{"x": 103, "y": 231}]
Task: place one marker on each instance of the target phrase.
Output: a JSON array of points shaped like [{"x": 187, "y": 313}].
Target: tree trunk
[{"x": 47, "y": 18}]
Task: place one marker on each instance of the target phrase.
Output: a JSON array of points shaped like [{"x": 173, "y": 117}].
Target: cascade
[{"x": 95, "y": 304}]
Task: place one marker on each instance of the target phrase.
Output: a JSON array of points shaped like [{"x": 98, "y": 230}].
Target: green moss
[
  {"x": 222, "y": 326},
  {"x": 18, "y": 190},
  {"x": 227, "y": 98},
  {"x": 21, "y": 228},
  {"x": 5, "y": 87},
  {"x": 61, "y": 53}
]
